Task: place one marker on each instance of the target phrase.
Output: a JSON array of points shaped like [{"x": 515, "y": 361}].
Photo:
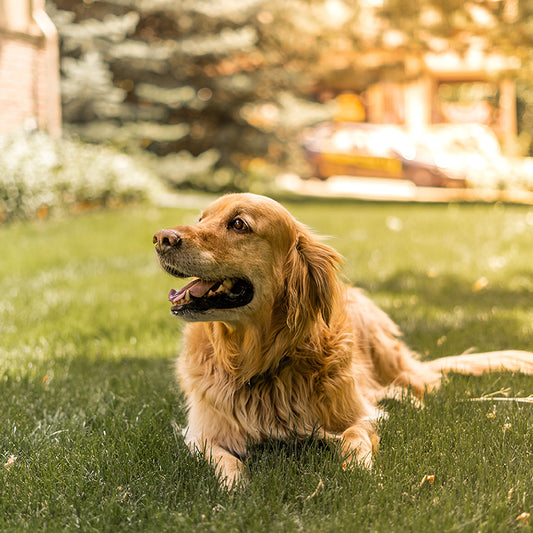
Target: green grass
[{"x": 88, "y": 402}]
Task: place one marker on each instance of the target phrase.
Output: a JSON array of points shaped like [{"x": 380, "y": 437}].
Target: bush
[
  {"x": 183, "y": 170},
  {"x": 40, "y": 175}
]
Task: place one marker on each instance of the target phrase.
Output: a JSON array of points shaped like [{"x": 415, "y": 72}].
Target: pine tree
[{"x": 228, "y": 75}]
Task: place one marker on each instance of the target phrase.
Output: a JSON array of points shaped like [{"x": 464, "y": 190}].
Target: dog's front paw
[
  {"x": 359, "y": 458},
  {"x": 230, "y": 472},
  {"x": 359, "y": 445}
]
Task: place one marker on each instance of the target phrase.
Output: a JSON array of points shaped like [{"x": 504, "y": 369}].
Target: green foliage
[
  {"x": 229, "y": 76},
  {"x": 89, "y": 410},
  {"x": 184, "y": 171},
  {"x": 39, "y": 175}
]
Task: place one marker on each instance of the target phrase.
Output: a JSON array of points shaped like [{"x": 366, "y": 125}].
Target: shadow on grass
[
  {"x": 447, "y": 291},
  {"x": 96, "y": 449},
  {"x": 447, "y": 314},
  {"x": 96, "y": 443}
]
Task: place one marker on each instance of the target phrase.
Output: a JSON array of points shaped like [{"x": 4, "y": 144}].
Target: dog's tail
[
  {"x": 478, "y": 363},
  {"x": 422, "y": 377}
]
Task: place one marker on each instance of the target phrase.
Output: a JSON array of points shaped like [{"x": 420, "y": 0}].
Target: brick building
[{"x": 29, "y": 68}]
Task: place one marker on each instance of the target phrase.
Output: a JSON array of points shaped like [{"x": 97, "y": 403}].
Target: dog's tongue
[{"x": 196, "y": 288}]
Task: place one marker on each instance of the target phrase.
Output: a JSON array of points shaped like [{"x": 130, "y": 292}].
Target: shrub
[{"x": 40, "y": 175}]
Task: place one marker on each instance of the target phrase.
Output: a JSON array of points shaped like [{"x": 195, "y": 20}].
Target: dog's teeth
[
  {"x": 188, "y": 296},
  {"x": 228, "y": 283},
  {"x": 210, "y": 293}
]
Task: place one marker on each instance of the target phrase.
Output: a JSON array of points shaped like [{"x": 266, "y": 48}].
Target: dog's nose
[{"x": 166, "y": 238}]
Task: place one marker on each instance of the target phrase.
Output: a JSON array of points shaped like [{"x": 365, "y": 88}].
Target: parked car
[
  {"x": 474, "y": 151},
  {"x": 375, "y": 150}
]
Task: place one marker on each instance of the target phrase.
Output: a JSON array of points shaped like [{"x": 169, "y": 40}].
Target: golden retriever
[{"x": 277, "y": 346}]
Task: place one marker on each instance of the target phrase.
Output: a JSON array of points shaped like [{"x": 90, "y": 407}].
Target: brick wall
[{"x": 29, "y": 77}]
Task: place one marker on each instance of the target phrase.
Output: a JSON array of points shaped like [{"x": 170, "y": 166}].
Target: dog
[{"x": 277, "y": 347}]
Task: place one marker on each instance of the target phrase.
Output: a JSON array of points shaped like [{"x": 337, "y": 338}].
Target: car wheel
[{"x": 424, "y": 178}]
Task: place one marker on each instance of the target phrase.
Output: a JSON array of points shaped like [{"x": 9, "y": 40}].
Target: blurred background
[{"x": 255, "y": 95}]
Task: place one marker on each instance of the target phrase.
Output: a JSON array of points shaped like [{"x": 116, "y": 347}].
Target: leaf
[
  {"x": 480, "y": 284},
  {"x": 428, "y": 478}
]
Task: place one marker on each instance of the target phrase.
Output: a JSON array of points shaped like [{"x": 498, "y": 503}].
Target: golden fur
[{"x": 307, "y": 355}]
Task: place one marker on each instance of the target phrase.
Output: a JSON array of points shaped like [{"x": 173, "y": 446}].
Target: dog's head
[{"x": 249, "y": 258}]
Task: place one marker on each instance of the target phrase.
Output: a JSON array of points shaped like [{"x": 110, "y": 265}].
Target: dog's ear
[{"x": 310, "y": 282}]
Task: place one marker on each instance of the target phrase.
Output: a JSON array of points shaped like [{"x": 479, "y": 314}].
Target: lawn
[{"x": 89, "y": 409}]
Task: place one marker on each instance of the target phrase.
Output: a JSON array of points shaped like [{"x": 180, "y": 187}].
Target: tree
[{"x": 194, "y": 75}]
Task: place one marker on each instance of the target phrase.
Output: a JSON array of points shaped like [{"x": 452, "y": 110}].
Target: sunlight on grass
[
  {"x": 89, "y": 403},
  {"x": 89, "y": 285}
]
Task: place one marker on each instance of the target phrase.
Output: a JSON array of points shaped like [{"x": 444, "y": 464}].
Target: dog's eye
[{"x": 238, "y": 224}]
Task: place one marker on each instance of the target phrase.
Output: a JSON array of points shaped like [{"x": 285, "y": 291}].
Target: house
[
  {"x": 431, "y": 93},
  {"x": 416, "y": 85},
  {"x": 416, "y": 92},
  {"x": 29, "y": 68}
]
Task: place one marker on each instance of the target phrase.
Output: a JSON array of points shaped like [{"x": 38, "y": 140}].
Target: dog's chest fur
[{"x": 297, "y": 397}]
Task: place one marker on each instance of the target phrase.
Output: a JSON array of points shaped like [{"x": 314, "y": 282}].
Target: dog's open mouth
[{"x": 201, "y": 295}]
